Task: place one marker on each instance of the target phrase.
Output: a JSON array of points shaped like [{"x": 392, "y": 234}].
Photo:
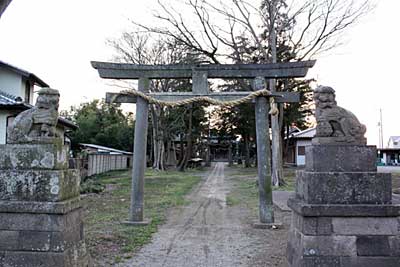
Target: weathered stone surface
[
  {"x": 373, "y": 262},
  {"x": 344, "y": 158},
  {"x": 43, "y": 185},
  {"x": 34, "y": 241},
  {"x": 344, "y": 187},
  {"x": 2, "y": 255},
  {"x": 31, "y": 207},
  {"x": 38, "y": 123},
  {"x": 61, "y": 241},
  {"x": 373, "y": 246},
  {"x": 348, "y": 261},
  {"x": 76, "y": 256},
  {"x": 293, "y": 247},
  {"x": 324, "y": 226},
  {"x": 312, "y": 225},
  {"x": 365, "y": 226},
  {"x": 30, "y": 259},
  {"x": 42, "y": 240},
  {"x": 33, "y": 157},
  {"x": 55, "y": 241},
  {"x": 130, "y": 71},
  {"x": 39, "y": 222},
  {"x": 40, "y": 209},
  {"x": 394, "y": 243},
  {"x": 9, "y": 240},
  {"x": 335, "y": 245},
  {"x": 343, "y": 210},
  {"x": 335, "y": 125},
  {"x": 320, "y": 233},
  {"x": 325, "y": 261}
]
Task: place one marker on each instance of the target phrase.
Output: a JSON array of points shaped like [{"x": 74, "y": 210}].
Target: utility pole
[{"x": 380, "y": 129}]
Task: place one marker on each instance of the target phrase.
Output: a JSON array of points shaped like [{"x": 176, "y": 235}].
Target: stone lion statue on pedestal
[
  {"x": 38, "y": 123},
  {"x": 335, "y": 125}
]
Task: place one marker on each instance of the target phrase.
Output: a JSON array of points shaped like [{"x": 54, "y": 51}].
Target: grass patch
[
  {"x": 231, "y": 201},
  {"x": 245, "y": 187},
  {"x": 244, "y": 192},
  {"x": 289, "y": 175},
  {"x": 108, "y": 239}
]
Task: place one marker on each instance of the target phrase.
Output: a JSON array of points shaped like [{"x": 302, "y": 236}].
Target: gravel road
[{"x": 209, "y": 233}]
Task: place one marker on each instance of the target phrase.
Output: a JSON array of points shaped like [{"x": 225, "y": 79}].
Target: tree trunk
[
  {"x": 287, "y": 138},
  {"x": 188, "y": 151},
  {"x": 276, "y": 167},
  {"x": 154, "y": 135},
  {"x": 150, "y": 141},
  {"x": 182, "y": 150},
  {"x": 246, "y": 152},
  {"x": 282, "y": 178},
  {"x": 230, "y": 158},
  {"x": 161, "y": 165},
  {"x": 158, "y": 143}
]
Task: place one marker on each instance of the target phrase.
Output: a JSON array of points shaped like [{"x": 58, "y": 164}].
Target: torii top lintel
[{"x": 133, "y": 71}]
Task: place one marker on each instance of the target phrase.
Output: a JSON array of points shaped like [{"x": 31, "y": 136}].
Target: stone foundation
[
  {"x": 342, "y": 216},
  {"x": 46, "y": 235},
  {"x": 40, "y": 210}
]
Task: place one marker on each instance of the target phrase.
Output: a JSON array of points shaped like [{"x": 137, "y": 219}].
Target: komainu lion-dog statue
[
  {"x": 335, "y": 125},
  {"x": 39, "y": 122}
]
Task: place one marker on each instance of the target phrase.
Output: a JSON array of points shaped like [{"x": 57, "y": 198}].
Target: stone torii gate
[{"x": 200, "y": 75}]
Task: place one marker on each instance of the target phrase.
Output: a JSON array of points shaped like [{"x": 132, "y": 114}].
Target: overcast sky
[{"x": 56, "y": 40}]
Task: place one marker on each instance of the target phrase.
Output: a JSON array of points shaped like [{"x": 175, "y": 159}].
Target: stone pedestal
[
  {"x": 343, "y": 213},
  {"x": 40, "y": 210}
]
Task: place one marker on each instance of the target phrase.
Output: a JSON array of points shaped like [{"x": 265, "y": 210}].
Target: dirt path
[{"x": 209, "y": 233}]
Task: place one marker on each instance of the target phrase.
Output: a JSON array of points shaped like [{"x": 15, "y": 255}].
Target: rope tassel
[{"x": 274, "y": 111}]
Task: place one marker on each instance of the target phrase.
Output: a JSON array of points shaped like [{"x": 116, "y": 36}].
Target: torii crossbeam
[{"x": 200, "y": 75}]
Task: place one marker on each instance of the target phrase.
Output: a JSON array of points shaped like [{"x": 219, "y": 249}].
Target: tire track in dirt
[{"x": 206, "y": 233}]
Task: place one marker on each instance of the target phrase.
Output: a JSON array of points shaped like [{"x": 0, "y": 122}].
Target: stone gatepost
[
  {"x": 40, "y": 210},
  {"x": 343, "y": 213}
]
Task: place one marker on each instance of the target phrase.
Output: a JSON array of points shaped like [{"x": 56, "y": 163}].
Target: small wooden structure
[
  {"x": 200, "y": 75},
  {"x": 101, "y": 159}
]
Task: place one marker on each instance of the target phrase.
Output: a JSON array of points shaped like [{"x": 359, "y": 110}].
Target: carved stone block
[
  {"x": 34, "y": 157},
  {"x": 345, "y": 158},
  {"x": 344, "y": 187},
  {"x": 52, "y": 237},
  {"x": 39, "y": 185}
]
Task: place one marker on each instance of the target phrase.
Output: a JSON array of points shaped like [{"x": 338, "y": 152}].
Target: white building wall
[
  {"x": 12, "y": 83},
  {"x": 301, "y": 159},
  {"x": 384, "y": 158},
  {"x": 394, "y": 143},
  {"x": 3, "y": 126}
]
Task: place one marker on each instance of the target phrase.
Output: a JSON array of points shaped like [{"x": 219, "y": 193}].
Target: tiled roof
[
  {"x": 309, "y": 133},
  {"x": 7, "y": 99},
  {"x": 106, "y": 149},
  {"x": 395, "y": 138}
]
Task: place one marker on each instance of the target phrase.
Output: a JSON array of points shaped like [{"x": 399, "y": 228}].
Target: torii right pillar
[{"x": 343, "y": 213}]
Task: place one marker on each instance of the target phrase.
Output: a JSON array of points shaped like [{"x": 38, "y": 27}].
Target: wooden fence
[{"x": 97, "y": 163}]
